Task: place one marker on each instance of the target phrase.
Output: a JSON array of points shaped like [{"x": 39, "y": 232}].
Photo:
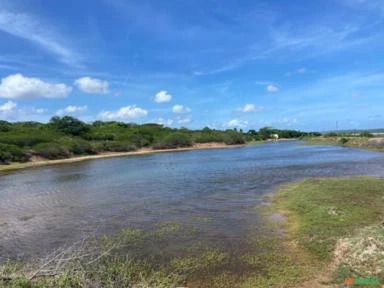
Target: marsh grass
[{"x": 338, "y": 221}]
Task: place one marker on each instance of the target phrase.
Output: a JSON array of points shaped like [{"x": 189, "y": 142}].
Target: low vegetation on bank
[
  {"x": 338, "y": 223},
  {"x": 65, "y": 137},
  {"x": 360, "y": 140}
]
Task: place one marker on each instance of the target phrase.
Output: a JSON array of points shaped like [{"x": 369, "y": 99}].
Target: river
[{"x": 211, "y": 192}]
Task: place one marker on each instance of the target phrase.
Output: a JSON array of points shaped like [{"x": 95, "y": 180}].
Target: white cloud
[
  {"x": 298, "y": 71},
  {"x": 183, "y": 121},
  {"x": 30, "y": 28},
  {"x": 8, "y": 106},
  {"x": 287, "y": 121},
  {"x": 237, "y": 123},
  {"x": 128, "y": 112},
  {"x": 39, "y": 110},
  {"x": 272, "y": 88},
  {"x": 92, "y": 85},
  {"x": 17, "y": 86},
  {"x": 162, "y": 97},
  {"x": 162, "y": 121},
  {"x": 72, "y": 110},
  {"x": 249, "y": 108},
  {"x": 180, "y": 109}
]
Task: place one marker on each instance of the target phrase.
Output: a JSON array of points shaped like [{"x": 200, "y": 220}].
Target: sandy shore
[{"x": 143, "y": 151}]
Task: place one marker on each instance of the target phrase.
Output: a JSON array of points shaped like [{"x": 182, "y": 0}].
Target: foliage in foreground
[{"x": 119, "y": 261}]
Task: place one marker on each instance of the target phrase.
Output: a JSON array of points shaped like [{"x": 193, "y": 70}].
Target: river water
[{"x": 212, "y": 192}]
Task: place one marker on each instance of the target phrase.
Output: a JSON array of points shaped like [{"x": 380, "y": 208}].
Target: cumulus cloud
[
  {"x": 183, "y": 121},
  {"x": 8, "y": 106},
  {"x": 17, "y": 86},
  {"x": 39, "y": 110},
  {"x": 72, "y": 110},
  {"x": 162, "y": 121},
  {"x": 288, "y": 121},
  {"x": 128, "y": 112},
  {"x": 237, "y": 123},
  {"x": 162, "y": 97},
  {"x": 92, "y": 86},
  {"x": 180, "y": 109},
  {"x": 272, "y": 88},
  {"x": 247, "y": 108}
]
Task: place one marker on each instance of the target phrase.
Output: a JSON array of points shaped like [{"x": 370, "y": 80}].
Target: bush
[
  {"x": 116, "y": 146},
  {"x": 12, "y": 153},
  {"x": 99, "y": 137},
  {"x": 233, "y": 138},
  {"x": 52, "y": 151},
  {"x": 366, "y": 134},
  {"x": 23, "y": 139},
  {"x": 69, "y": 125},
  {"x": 207, "y": 137},
  {"x": 343, "y": 140},
  {"x": 175, "y": 140}
]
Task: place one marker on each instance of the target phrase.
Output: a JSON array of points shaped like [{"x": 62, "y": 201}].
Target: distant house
[{"x": 275, "y": 137}]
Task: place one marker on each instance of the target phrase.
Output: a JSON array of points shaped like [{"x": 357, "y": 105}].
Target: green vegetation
[
  {"x": 363, "y": 141},
  {"x": 266, "y": 133},
  {"x": 338, "y": 222},
  {"x": 120, "y": 261},
  {"x": 67, "y": 137}
]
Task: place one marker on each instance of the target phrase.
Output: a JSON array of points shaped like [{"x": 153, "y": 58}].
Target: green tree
[{"x": 69, "y": 125}]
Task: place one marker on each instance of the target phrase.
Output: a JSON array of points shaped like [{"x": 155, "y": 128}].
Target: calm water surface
[{"x": 212, "y": 192}]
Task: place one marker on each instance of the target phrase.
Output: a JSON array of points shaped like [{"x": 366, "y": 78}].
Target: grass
[
  {"x": 337, "y": 221},
  {"x": 373, "y": 144}
]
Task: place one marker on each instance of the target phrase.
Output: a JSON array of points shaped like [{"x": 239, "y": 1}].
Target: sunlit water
[{"x": 210, "y": 192}]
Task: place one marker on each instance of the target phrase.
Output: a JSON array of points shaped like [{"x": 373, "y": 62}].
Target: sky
[{"x": 291, "y": 64}]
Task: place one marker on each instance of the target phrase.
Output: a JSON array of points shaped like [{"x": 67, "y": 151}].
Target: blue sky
[{"x": 218, "y": 63}]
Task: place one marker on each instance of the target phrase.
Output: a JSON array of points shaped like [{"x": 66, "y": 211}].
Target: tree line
[{"x": 64, "y": 137}]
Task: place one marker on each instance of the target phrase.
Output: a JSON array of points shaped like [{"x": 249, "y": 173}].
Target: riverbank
[
  {"x": 337, "y": 223},
  {"x": 37, "y": 162},
  {"x": 373, "y": 144}
]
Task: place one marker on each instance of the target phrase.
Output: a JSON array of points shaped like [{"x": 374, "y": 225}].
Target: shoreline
[
  {"x": 374, "y": 144},
  {"x": 142, "y": 151}
]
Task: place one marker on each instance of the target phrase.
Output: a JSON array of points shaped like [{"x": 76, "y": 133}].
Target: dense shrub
[
  {"x": 23, "y": 139},
  {"x": 5, "y": 126},
  {"x": 116, "y": 146},
  {"x": 51, "y": 151},
  {"x": 69, "y": 125},
  {"x": 366, "y": 134},
  {"x": 175, "y": 140},
  {"x": 207, "y": 137},
  {"x": 98, "y": 137},
  {"x": 12, "y": 153},
  {"x": 344, "y": 140},
  {"x": 233, "y": 138}
]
